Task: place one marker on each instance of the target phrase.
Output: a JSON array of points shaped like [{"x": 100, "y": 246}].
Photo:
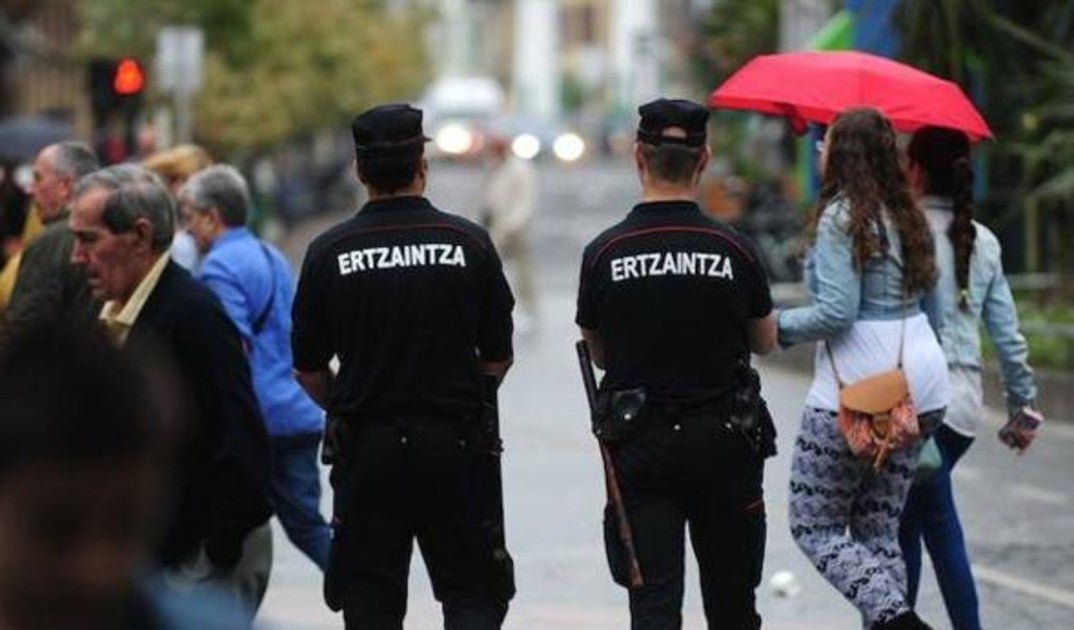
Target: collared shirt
[
  {"x": 254, "y": 283},
  {"x": 119, "y": 317},
  {"x": 670, "y": 290},
  {"x": 410, "y": 299}
]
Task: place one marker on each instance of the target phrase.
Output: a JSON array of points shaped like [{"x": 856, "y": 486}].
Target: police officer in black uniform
[
  {"x": 671, "y": 303},
  {"x": 414, "y": 304}
]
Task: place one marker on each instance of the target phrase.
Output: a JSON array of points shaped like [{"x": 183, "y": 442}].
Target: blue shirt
[
  {"x": 988, "y": 301},
  {"x": 244, "y": 272}
]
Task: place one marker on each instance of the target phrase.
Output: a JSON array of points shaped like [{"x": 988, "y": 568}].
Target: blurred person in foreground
[
  {"x": 175, "y": 166},
  {"x": 80, "y": 489},
  {"x": 48, "y": 287},
  {"x": 510, "y": 195},
  {"x": 972, "y": 291},
  {"x": 217, "y": 532},
  {"x": 254, "y": 283}
]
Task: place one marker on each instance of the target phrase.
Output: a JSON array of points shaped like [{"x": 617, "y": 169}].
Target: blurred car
[
  {"x": 458, "y": 112},
  {"x": 533, "y": 138}
]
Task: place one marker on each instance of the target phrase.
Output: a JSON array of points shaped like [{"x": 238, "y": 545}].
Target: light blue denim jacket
[
  {"x": 990, "y": 301},
  {"x": 841, "y": 293}
]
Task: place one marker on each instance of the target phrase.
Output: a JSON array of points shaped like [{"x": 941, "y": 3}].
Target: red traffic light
[{"x": 129, "y": 79}]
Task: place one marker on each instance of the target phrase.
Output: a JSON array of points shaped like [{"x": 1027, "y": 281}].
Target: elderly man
[
  {"x": 254, "y": 282},
  {"x": 48, "y": 287},
  {"x": 123, "y": 220}
]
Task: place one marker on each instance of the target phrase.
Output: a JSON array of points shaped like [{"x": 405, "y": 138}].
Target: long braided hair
[
  {"x": 944, "y": 156},
  {"x": 863, "y": 165}
]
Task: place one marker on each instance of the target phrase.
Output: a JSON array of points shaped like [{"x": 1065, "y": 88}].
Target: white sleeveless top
[{"x": 871, "y": 346}]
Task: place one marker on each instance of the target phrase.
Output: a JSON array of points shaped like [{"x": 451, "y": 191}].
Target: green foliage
[
  {"x": 1045, "y": 351},
  {"x": 276, "y": 69},
  {"x": 1017, "y": 59},
  {"x": 123, "y": 27},
  {"x": 310, "y": 69},
  {"x": 732, "y": 33}
]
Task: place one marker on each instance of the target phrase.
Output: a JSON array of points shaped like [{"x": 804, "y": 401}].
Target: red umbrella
[{"x": 816, "y": 86}]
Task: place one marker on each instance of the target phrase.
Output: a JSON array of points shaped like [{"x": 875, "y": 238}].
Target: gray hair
[
  {"x": 74, "y": 159},
  {"x": 134, "y": 193},
  {"x": 222, "y": 187}
]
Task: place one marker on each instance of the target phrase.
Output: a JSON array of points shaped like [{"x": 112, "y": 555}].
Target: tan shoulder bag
[{"x": 876, "y": 413}]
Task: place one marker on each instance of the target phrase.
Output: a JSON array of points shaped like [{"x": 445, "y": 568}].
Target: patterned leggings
[{"x": 845, "y": 517}]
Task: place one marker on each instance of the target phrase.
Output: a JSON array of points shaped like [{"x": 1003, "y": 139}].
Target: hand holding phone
[{"x": 1021, "y": 429}]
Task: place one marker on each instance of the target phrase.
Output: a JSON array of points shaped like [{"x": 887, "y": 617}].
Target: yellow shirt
[
  {"x": 7, "y": 279},
  {"x": 119, "y": 318},
  {"x": 31, "y": 228}
]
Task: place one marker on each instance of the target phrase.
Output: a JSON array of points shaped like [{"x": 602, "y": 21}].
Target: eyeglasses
[{"x": 819, "y": 146}]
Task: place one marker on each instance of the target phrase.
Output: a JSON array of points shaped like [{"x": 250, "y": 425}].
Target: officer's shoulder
[
  {"x": 738, "y": 240},
  {"x": 330, "y": 237},
  {"x": 469, "y": 228},
  {"x": 601, "y": 240}
]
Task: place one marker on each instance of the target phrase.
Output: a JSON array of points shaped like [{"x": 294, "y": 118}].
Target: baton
[{"x": 611, "y": 479}]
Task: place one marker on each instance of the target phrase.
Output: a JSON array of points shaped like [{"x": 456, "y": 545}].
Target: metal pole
[{"x": 184, "y": 123}]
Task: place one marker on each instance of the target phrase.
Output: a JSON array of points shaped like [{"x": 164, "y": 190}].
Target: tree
[
  {"x": 308, "y": 70},
  {"x": 1017, "y": 60},
  {"x": 119, "y": 28},
  {"x": 732, "y": 33},
  {"x": 276, "y": 69}
]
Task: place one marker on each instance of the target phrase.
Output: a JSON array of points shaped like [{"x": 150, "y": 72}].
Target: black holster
[
  {"x": 620, "y": 414},
  {"x": 749, "y": 411}
]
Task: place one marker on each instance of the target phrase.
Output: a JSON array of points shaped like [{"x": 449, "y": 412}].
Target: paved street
[{"x": 1018, "y": 511}]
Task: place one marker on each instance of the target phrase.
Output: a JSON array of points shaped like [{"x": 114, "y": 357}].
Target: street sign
[{"x": 180, "y": 54}]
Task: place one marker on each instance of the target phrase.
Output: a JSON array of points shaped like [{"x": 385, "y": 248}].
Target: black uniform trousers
[
  {"x": 405, "y": 480},
  {"x": 691, "y": 470}
]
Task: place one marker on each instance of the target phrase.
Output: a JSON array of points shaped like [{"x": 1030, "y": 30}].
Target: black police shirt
[
  {"x": 409, "y": 298},
  {"x": 670, "y": 291}
]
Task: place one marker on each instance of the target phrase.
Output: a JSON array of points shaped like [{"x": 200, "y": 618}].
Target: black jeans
[
  {"x": 406, "y": 481},
  {"x": 691, "y": 471}
]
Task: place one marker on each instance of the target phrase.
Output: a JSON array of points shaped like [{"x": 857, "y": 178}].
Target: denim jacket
[
  {"x": 989, "y": 300},
  {"x": 841, "y": 293}
]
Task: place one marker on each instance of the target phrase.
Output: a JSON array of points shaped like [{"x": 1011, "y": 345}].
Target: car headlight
[
  {"x": 568, "y": 147},
  {"x": 526, "y": 146},
  {"x": 454, "y": 139}
]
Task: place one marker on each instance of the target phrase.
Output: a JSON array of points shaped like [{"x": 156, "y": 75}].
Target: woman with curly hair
[
  {"x": 972, "y": 291},
  {"x": 868, "y": 271}
]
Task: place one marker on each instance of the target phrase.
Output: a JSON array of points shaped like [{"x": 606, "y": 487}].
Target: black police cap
[
  {"x": 388, "y": 131},
  {"x": 657, "y": 116}
]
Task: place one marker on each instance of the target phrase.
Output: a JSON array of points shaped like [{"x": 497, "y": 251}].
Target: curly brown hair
[{"x": 863, "y": 167}]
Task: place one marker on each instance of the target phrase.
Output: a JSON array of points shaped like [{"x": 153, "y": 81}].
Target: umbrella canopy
[
  {"x": 816, "y": 86},
  {"x": 22, "y": 137}
]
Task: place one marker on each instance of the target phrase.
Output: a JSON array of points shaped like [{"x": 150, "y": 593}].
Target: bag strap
[
  {"x": 262, "y": 318},
  {"x": 831, "y": 359}
]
